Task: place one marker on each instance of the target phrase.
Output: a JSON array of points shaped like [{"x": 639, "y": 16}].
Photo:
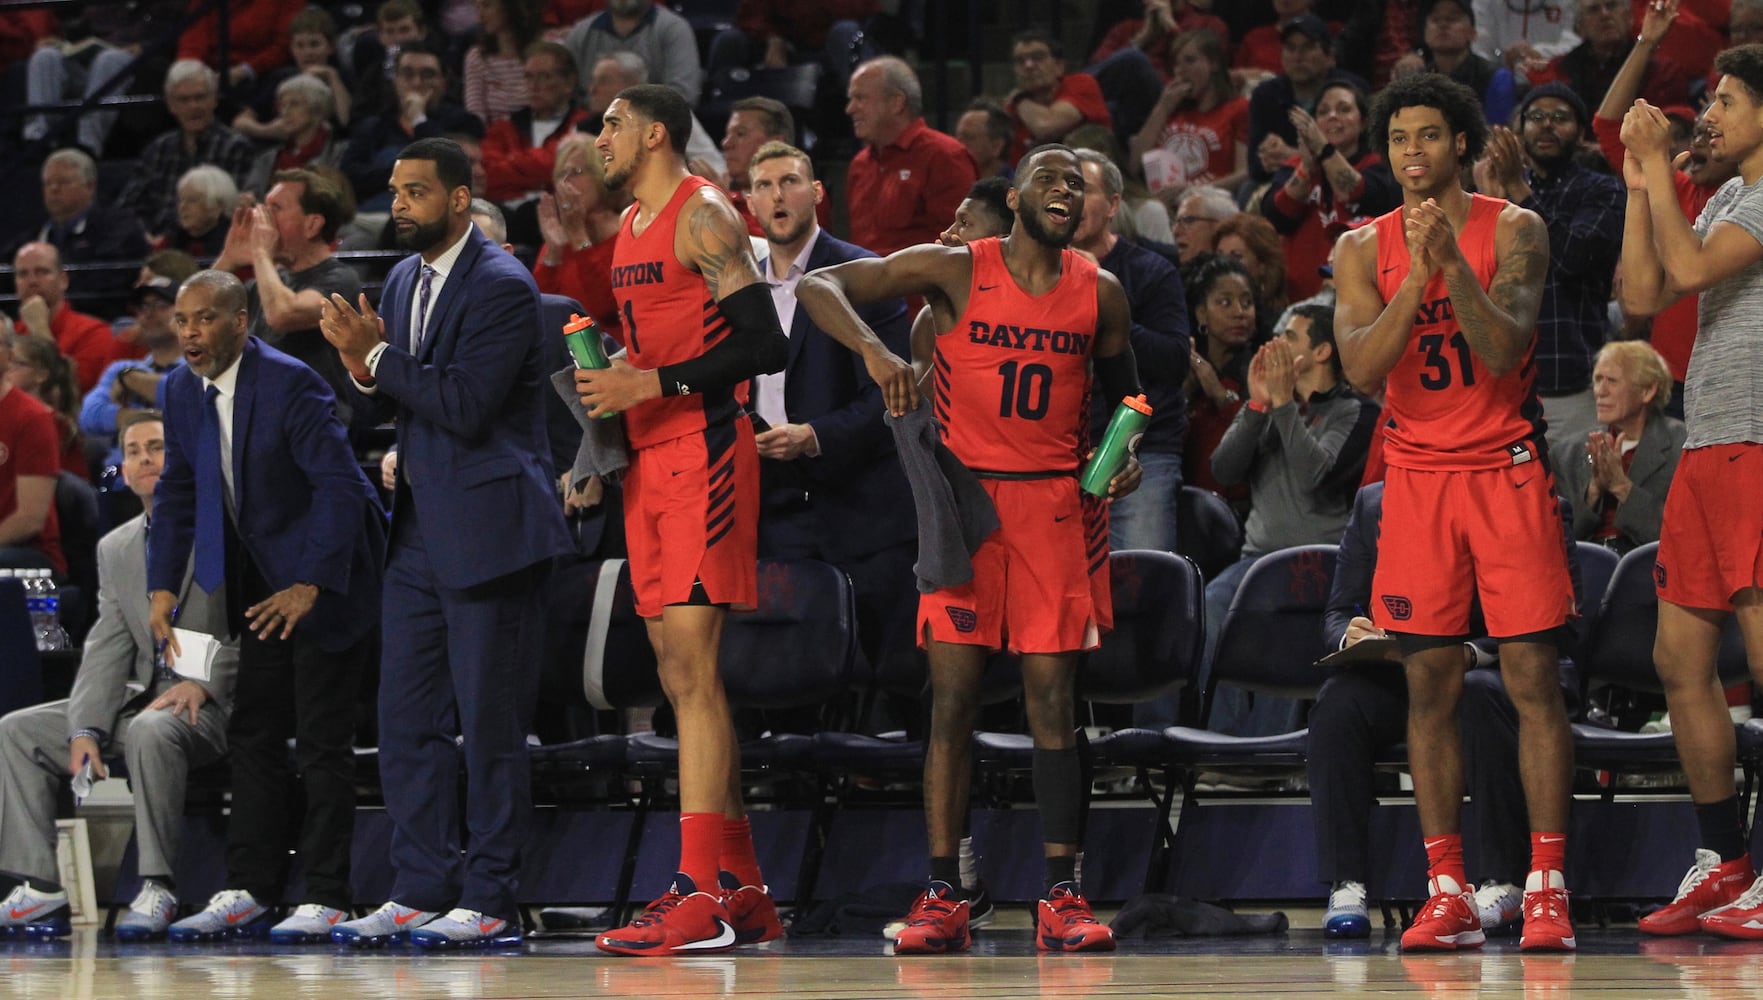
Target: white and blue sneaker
[
  {"x": 390, "y": 924},
  {"x": 231, "y": 913},
  {"x": 149, "y": 915},
  {"x": 310, "y": 923},
  {"x": 34, "y": 914},
  {"x": 1498, "y": 904},
  {"x": 1347, "y": 916},
  {"x": 462, "y": 928}
]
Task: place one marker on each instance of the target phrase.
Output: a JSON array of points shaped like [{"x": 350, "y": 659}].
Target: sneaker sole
[
  {"x": 1735, "y": 932},
  {"x": 36, "y": 932},
  {"x": 216, "y": 937},
  {"x": 1559, "y": 944},
  {"x": 1048, "y": 942},
  {"x": 1466, "y": 939},
  {"x": 934, "y": 946},
  {"x": 302, "y": 938},
  {"x": 370, "y": 940},
  {"x": 437, "y": 943},
  {"x": 1355, "y": 929},
  {"x": 131, "y": 936}
]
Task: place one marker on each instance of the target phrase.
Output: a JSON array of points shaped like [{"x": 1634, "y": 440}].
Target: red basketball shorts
[
  {"x": 1448, "y": 536},
  {"x": 1032, "y": 588},
  {"x": 691, "y": 517},
  {"x": 1711, "y": 543}
]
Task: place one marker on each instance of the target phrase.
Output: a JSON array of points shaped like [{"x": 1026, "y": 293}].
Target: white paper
[
  {"x": 197, "y": 659},
  {"x": 82, "y": 782}
]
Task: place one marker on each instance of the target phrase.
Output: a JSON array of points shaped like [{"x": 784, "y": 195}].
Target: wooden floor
[{"x": 1001, "y": 965}]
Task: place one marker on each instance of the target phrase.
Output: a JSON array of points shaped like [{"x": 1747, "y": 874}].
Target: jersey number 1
[
  {"x": 1434, "y": 346},
  {"x": 1026, "y": 396}
]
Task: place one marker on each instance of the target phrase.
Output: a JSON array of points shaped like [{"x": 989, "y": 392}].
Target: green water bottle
[
  {"x": 583, "y": 338},
  {"x": 1129, "y": 421}
]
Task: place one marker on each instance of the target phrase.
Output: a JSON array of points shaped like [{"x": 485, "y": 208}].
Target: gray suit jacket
[
  {"x": 1655, "y": 461},
  {"x": 117, "y": 663}
]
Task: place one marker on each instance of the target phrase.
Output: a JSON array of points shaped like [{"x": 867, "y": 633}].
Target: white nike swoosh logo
[
  {"x": 1550, "y": 840},
  {"x": 722, "y": 940}
]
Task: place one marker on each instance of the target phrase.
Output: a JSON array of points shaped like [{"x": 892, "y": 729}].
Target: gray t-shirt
[
  {"x": 328, "y": 276},
  {"x": 1723, "y": 398}
]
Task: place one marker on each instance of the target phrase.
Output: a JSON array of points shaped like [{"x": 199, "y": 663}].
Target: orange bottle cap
[
  {"x": 1139, "y": 403},
  {"x": 578, "y": 323}
]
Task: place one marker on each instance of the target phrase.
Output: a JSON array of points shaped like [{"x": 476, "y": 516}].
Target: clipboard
[{"x": 1363, "y": 651}]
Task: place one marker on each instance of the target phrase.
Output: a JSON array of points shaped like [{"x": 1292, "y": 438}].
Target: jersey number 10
[{"x": 1026, "y": 394}]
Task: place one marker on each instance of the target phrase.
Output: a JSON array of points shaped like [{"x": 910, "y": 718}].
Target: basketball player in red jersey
[
  {"x": 1018, "y": 322},
  {"x": 698, "y": 321},
  {"x": 1438, "y": 300}
]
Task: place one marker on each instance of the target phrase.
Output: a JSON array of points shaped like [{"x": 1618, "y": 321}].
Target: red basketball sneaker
[
  {"x": 1548, "y": 925},
  {"x": 1742, "y": 918},
  {"x": 935, "y": 924},
  {"x": 1709, "y": 885},
  {"x": 751, "y": 910},
  {"x": 1063, "y": 922},
  {"x": 1447, "y": 922},
  {"x": 684, "y": 921}
]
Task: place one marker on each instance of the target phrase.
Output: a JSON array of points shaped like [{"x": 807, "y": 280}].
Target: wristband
[
  {"x": 1328, "y": 150},
  {"x": 1256, "y": 405}
]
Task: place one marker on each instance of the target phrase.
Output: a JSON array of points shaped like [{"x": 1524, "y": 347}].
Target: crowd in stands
[{"x": 1226, "y": 148}]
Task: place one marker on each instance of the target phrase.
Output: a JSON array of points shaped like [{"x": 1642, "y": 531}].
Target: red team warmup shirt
[
  {"x": 1445, "y": 410},
  {"x": 668, "y": 317},
  {"x": 1013, "y": 376},
  {"x": 1082, "y": 92}
]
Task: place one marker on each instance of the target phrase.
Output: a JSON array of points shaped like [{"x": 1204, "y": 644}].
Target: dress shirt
[{"x": 769, "y": 400}]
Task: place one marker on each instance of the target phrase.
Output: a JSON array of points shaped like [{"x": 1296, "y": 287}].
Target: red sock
[
  {"x": 738, "y": 858},
  {"x": 1444, "y": 856},
  {"x": 700, "y": 848},
  {"x": 1548, "y": 852}
]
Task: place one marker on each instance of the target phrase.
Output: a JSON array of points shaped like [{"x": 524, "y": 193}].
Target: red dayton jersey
[
  {"x": 1012, "y": 375},
  {"x": 1446, "y": 411},
  {"x": 669, "y": 317}
]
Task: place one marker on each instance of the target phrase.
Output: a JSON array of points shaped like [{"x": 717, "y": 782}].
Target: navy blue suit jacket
[
  {"x": 861, "y": 500},
  {"x": 306, "y": 513},
  {"x": 472, "y": 449}
]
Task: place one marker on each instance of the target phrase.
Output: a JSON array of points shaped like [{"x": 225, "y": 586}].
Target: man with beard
[
  {"x": 1018, "y": 321},
  {"x": 1439, "y": 299},
  {"x": 831, "y": 484},
  {"x": 1583, "y": 211},
  {"x": 698, "y": 322},
  {"x": 475, "y": 524}
]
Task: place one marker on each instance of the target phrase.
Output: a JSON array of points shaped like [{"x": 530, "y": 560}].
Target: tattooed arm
[
  {"x": 1500, "y": 323},
  {"x": 711, "y": 240}
]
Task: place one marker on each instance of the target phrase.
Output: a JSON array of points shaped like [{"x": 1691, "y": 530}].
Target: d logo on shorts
[
  {"x": 1659, "y": 575},
  {"x": 963, "y": 619},
  {"x": 1400, "y": 608}
]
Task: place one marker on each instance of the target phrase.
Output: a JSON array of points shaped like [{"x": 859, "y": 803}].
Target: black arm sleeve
[
  {"x": 755, "y": 345},
  {"x": 1119, "y": 376}
]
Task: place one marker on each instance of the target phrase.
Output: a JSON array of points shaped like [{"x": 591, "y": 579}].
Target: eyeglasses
[
  {"x": 1537, "y": 117},
  {"x": 1183, "y": 221}
]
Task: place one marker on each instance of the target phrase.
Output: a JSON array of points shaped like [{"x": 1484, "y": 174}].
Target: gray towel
[
  {"x": 955, "y": 514},
  {"x": 603, "y": 451}
]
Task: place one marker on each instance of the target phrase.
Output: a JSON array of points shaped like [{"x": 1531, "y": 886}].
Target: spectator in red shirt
[
  {"x": 29, "y": 534},
  {"x": 43, "y": 311},
  {"x": 40, "y": 369},
  {"x": 259, "y": 33},
  {"x": 1262, "y": 47},
  {"x": 1048, "y": 102},
  {"x": 1198, "y": 120},
  {"x": 520, "y": 152},
  {"x": 580, "y": 225},
  {"x": 906, "y": 182},
  {"x": 1134, "y": 59}
]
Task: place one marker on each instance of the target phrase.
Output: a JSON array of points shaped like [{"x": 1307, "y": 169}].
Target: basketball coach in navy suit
[
  {"x": 833, "y": 488},
  {"x": 263, "y": 494},
  {"x": 475, "y": 525}
]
